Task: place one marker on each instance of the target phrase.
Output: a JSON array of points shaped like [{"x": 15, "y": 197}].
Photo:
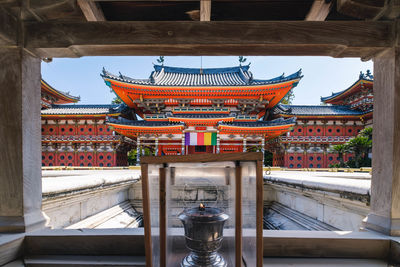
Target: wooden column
[
  {"x": 385, "y": 186},
  {"x": 218, "y": 144},
  {"x": 20, "y": 142},
  {"x": 138, "y": 151},
  {"x": 238, "y": 215},
  {"x": 163, "y": 217},
  {"x": 146, "y": 214},
  {"x": 263, "y": 147},
  {"x": 259, "y": 212},
  {"x": 156, "y": 146},
  {"x": 183, "y": 144}
]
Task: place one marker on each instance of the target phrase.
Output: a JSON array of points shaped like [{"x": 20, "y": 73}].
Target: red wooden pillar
[
  {"x": 55, "y": 159},
  {"x": 95, "y": 155}
]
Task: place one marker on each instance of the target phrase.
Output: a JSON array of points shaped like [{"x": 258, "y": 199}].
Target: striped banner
[{"x": 200, "y": 139}]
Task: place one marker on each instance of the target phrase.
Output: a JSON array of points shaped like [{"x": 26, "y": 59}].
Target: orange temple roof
[
  {"x": 365, "y": 80},
  {"x": 57, "y": 97},
  {"x": 166, "y": 83}
]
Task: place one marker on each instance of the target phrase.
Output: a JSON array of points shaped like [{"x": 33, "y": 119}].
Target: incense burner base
[{"x": 212, "y": 259}]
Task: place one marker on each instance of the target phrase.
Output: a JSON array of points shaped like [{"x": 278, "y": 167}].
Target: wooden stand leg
[
  {"x": 238, "y": 216},
  {"x": 163, "y": 219},
  {"x": 146, "y": 214},
  {"x": 260, "y": 208}
]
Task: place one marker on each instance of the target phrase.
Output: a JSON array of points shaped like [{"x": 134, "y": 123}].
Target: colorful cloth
[{"x": 200, "y": 139}]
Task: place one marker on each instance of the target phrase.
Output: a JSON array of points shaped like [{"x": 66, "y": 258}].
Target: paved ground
[
  {"x": 70, "y": 180},
  {"x": 359, "y": 183}
]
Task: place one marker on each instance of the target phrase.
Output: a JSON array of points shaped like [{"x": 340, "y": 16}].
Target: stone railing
[
  {"x": 315, "y": 139},
  {"x": 55, "y": 138}
]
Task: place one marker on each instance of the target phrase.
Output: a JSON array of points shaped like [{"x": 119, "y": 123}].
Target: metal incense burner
[{"x": 203, "y": 232}]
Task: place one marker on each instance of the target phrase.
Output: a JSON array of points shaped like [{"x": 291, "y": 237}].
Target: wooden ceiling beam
[
  {"x": 8, "y": 28},
  {"x": 91, "y": 10},
  {"x": 205, "y": 10},
  {"x": 328, "y": 38},
  {"x": 319, "y": 10},
  {"x": 360, "y": 8}
]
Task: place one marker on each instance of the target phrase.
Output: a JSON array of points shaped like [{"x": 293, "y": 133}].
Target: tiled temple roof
[
  {"x": 276, "y": 122},
  {"x": 317, "y": 110},
  {"x": 84, "y": 109},
  {"x": 142, "y": 123},
  {"x": 202, "y": 116},
  {"x": 362, "y": 77},
  {"x": 175, "y": 76},
  {"x": 65, "y": 95}
]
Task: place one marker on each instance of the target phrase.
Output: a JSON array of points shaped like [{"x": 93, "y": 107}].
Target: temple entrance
[
  {"x": 200, "y": 149},
  {"x": 268, "y": 158}
]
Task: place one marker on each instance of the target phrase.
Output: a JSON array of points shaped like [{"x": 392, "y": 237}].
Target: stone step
[
  {"x": 85, "y": 242},
  {"x": 80, "y": 260},
  {"x": 119, "y": 216}
]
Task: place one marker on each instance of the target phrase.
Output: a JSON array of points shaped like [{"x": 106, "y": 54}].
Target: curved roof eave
[
  {"x": 334, "y": 95},
  {"x": 65, "y": 96},
  {"x": 216, "y": 82}
]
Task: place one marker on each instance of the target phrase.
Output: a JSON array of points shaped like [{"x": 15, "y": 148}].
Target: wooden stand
[{"x": 234, "y": 157}]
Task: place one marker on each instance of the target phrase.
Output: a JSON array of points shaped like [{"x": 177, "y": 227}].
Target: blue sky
[{"x": 322, "y": 75}]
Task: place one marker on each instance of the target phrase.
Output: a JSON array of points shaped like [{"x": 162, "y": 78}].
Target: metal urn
[{"x": 204, "y": 233}]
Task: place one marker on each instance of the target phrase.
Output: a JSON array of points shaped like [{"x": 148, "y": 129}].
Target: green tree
[
  {"x": 132, "y": 157},
  {"x": 340, "y": 149},
  {"x": 360, "y": 146},
  {"x": 116, "y": 100},
  {"x": 367, "y": 132},
  {"x": 288, "y": 98},
  {"x": 268, "y": 158}
]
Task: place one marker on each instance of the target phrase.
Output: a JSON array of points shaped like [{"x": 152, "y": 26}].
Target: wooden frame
[{"x": 235, "y": 157}]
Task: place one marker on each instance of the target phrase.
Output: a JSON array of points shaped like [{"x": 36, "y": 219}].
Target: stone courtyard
[{"x": 293, "y": 200}]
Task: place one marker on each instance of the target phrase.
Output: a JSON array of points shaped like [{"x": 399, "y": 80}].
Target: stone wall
[
  {"x": 71, "y": 196},
  {"x": 340, "y": 205}
]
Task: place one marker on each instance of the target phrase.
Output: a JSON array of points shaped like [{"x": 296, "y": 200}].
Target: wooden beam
[
  {"x": 319, "y": 10},
  {"x": 205, "y": 10},
  {"x": 360, "y": 8},
  {"x": 327, "y": 38},
  {"x": 91, "y": 10},
  {"x": 8, "y": 28},
  {"x": 248, "y": 156}
]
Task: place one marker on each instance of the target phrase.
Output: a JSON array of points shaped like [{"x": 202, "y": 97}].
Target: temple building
[
  {"x": 77, "y": 135},
  {"x": 188, "y": 111},
  {"x": 191, "y": 110},
  {"x": 51, "y": 96},
  {"x": 340, "y": 117}
]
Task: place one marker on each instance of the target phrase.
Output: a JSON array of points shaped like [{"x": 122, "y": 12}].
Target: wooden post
[
  {"x": 385, "y": 184},
  {"x": 138, "y": 151},
  {"x": 163, "y": 219},
  {"x": 205, "y": 10},
  {"x": 260, "y": 211},
  {"x": 146, "y": 214},
  {"x": 238, "y": 215},
  {"x": 20, "y": 142}
]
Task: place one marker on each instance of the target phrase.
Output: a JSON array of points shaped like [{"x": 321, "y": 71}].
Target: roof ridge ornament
[
  {"x": 161, "y": 60},
  {"x": 242, "y": 59},
  {"x": 367, "y": 75}
]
